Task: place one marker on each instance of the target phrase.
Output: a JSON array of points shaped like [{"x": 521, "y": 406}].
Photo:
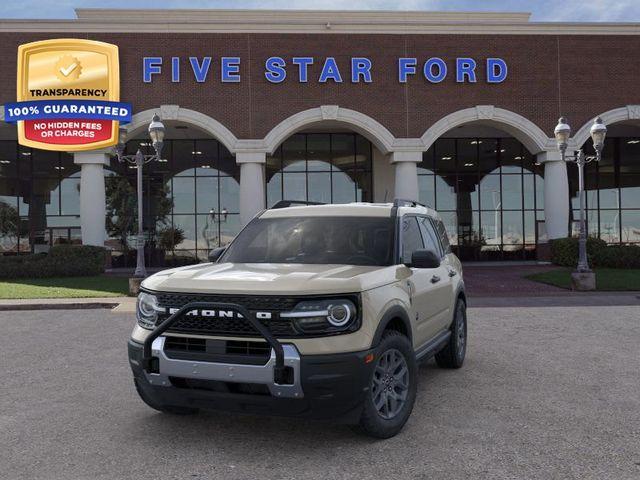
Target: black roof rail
[
  {"x": 399, "y": 202},
  {"x": 293, "y": 203}
]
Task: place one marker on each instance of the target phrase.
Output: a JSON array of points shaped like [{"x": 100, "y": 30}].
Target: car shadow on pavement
[{"x": 205, "y": 429}]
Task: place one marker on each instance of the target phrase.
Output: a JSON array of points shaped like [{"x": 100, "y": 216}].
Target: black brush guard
[{"x": 279, "y": 369}]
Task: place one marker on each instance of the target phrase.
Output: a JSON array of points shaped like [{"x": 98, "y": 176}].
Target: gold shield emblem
[{"x": 68, "y": 70}]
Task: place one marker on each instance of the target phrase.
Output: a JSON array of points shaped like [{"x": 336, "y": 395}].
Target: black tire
[
  {"x": 372, "y": 421},
  {"x": 452, "y": 356},
  {"x": 173, "y": 410}
]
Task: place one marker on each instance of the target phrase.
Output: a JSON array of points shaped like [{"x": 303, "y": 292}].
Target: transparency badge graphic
[{"x": 68, "y": 95}]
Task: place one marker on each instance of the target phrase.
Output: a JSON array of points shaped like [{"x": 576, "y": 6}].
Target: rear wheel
[
  {"x": 392, "y": 388},
  {"x": 452, "y": 356},
  {"x": 173, "y": 410}
]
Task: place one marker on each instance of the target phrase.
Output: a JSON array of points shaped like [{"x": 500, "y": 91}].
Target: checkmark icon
[{"x": 69, "y": 69}]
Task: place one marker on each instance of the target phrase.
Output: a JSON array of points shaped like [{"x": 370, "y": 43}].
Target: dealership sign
[
  {"x": 323, "y": 70},
  {"x": 68, "y": 95}
]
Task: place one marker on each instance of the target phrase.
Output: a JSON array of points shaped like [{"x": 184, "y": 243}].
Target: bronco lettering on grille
[{"x": 219, "y": 313}]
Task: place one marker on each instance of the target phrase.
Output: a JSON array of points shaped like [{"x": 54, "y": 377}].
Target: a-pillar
[
  {"x": 406, "y": 173},
  {"x": 92, "y": 195},
  {"x": 556, "y": 194},
  {"x": 252, "y": 187}
]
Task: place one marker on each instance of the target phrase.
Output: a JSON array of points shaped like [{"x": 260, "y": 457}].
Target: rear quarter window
[{"x": 442, "y": 234}]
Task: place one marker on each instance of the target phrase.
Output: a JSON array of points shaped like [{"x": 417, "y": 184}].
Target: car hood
[{"x": 266, "y": 278}]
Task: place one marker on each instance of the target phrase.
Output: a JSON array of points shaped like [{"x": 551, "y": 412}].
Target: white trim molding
[
  {"x": 531, "y": 136},
  {"x": 374, "y": 131},
  {"x": 200, "y": 21},
  {"x": 622, "y": 114},
  {"x": 140, "y": 121}
]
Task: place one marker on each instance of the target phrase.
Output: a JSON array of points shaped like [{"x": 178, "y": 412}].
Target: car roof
[{"x": 355, "y": 209}]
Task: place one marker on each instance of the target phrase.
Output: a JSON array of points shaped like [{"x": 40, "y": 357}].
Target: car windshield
[{"x": 314, "y": 240}]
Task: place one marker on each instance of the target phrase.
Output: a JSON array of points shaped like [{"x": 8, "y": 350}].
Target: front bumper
[{"x": 322, "y": 386}]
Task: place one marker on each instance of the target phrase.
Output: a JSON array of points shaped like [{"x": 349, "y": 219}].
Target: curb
[{"x": 57, "y": 306}]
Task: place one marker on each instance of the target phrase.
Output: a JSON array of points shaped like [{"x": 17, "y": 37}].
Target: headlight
[
  {"x": 324, "y": 316},
  {"x": 147, "y": 310}
]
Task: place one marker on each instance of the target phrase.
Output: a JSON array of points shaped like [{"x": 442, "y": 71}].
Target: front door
[{"x": 428, "y": 286}]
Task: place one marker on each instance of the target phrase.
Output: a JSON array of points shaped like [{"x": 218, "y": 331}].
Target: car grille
[
  {"x": 240, "y": 327},
  {"x": 217, "y": 350}
]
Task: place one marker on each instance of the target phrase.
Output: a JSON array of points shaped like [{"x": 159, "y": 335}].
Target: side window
[
  {"x": 430, "y": 237},
  {"x": 442, "y": 234},
  {"x": 411, "y": 238}
]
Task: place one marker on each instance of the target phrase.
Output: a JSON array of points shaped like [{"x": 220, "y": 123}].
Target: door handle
[{"x": 435, "y": 279}]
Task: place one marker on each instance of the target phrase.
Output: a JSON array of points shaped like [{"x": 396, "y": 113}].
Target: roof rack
[
  {"x": 293, "y": 203},
  {"x": 399, "y": 202}
]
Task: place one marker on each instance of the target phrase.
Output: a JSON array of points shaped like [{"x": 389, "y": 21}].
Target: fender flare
[{"x": 396, "y": 311}]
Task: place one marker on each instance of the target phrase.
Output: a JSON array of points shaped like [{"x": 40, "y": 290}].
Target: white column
[
  {"x": 252, "y": 188},
  {"x": 406, "y": 172},
  {"x": 556, "y": 194},
  {"x": 93, "y": 208}
]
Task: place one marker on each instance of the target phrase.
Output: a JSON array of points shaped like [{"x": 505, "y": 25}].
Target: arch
[
  {"x": 527, "y": 132},
  {"x": 382, "y": 138},
  {"x": 622, "y": 114},
  {"x": 141, "y": 120}
]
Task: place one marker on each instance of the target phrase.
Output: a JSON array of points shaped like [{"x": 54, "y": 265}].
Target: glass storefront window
[
  {"x": 612, "y": 191},
  {"x": 630, "y": 225},
  {"x": 195, "y": 188},
  {"x": 320, "y": 167},
  {"x": 490, "y": 192}
]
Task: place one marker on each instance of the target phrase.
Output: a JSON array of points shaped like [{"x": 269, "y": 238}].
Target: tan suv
[{"x": 320, "y": 311}]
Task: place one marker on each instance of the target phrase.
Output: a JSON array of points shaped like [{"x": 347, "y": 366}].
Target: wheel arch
[
  {"x": 395, "y": 318},
  {"x": 462, "y": 295}
]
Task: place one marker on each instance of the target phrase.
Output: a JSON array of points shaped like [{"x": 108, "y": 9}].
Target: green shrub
[
  {"x": 61, "y": 261},
  {"x": 564, "y": 252},
  {"x": 618, "y": 256}
]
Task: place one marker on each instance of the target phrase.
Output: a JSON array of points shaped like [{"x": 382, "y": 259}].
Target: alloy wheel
[{"x": 390, "y": 385}]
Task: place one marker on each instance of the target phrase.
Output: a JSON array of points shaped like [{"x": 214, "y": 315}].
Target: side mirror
[
  {"x": 424, "y": 259},
  {"x": 216, "y": 253}
]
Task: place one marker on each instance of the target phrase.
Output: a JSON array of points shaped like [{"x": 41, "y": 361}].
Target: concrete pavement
[{"x": 545, "y": 393}]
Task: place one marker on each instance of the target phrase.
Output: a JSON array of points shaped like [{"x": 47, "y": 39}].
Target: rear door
[{"x": 423, "y": 283}]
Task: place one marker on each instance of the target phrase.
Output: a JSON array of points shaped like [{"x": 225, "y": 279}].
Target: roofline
[
  {"x": 266, "y": 15},
  {"x": 310, "y": 21}
]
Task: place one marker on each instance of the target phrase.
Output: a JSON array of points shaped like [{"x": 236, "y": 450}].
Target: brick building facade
[{"x": 481, "y": 151}]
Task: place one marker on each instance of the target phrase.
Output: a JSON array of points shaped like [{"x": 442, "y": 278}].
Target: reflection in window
[
  {"x": 320, "y": 167},
  {"x": 612, "y": 191},
  {"x": 199, "y": 180},
  {"x": 39, "y": 198},
  {"x": 489, "y": 193}
]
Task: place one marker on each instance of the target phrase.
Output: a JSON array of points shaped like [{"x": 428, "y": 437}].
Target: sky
[{"x": 542, "y": 10}]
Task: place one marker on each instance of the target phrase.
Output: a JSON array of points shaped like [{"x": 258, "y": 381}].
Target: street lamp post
[
  {"x": 156, "y": 133},
  {"x": 562, "y": 133}
]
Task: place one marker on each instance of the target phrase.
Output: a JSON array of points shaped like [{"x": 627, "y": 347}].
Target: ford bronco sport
[{"x": 321, "y": 311}]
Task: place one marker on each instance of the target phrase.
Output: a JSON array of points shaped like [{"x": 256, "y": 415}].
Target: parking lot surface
[{"x": 547, "y": 392}]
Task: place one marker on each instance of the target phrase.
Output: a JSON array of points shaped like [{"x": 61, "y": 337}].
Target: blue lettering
[
  {"x": 230, "y": 70},
  {"x": 200, "y": 71},
  {"x": 151, "y": 66},
  {"x": 275, "y": 69},
  {"x": 406, "y": 66},
  {"x": 465, "y": 67},
  {"x": 496, "y": 70},
  {"x": 303, "y": 65},
  {"x": 330, "y": 71},
  {"x": 428, "y": 70},
  {"x": 175, "y": 69},
  {"x": 360, "y": 67}
]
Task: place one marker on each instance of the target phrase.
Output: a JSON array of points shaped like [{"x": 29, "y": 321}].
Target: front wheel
[
  {"x": 452, "y": 355},
  {"x": 392, "y": 387}
]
